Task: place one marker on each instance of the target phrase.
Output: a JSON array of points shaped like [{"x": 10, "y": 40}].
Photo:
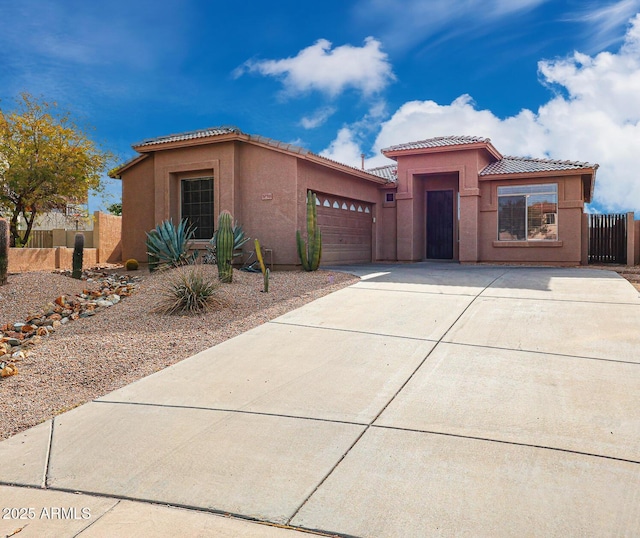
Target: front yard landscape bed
[{"x": 92, "y": 356}]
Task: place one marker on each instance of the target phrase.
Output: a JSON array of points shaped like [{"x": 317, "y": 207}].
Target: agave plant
[
  {"x": 239, "y": 239},
  {"x": 168, "y": 245}
]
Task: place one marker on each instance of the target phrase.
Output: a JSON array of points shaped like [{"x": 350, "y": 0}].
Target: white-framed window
[
  {"x": 528, "y": 212},
  {"x": 196, "y": 205}
]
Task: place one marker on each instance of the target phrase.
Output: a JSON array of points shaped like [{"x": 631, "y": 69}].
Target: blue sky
[{"x": 541, "y": 78}]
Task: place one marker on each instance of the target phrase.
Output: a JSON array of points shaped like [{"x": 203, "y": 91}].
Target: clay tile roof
[
  {"x": 522, "y": 165},
  {"x": 388, "y": 172},
  {"x": 438, "y": 142},
  {"x": 190, "y": 135},
  {"x": 277, "y": 144}
]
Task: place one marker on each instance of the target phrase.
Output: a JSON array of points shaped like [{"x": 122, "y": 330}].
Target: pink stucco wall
[
  {"x": 565, "y": 251},
  {"x": 137, "y": 209},
  {"x": 317, "y": 178},
  {"x": 413, "y": 175},
  {"x": 387, "y": 227},
  {"x": 265, "y": 189}
]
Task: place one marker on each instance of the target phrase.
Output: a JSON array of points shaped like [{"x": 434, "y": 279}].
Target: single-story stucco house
[{"x": 445, "y": 198}]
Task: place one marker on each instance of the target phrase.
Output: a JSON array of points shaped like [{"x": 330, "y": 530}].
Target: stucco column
[
  {"x": 631, "y": 239},
  {"x": 469, "y": 212},
  {"x": 584, "y": 243},
  {"x": 405, "y": 240}
]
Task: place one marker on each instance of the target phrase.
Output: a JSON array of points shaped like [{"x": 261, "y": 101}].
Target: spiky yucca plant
[
  {"x": 189, "y": 291},
  {"x": 168, "y": 245}
]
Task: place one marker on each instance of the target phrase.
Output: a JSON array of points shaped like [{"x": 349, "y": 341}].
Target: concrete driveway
[{"x": 426, "y": 400}]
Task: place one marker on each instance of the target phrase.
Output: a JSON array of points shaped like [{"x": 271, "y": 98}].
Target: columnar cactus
[
  {"x": 310, "y": 253},
  {"x": 78, "y": 254},
  {"x": 224, "y": 247},
  {"x": 4, "y": 251}
]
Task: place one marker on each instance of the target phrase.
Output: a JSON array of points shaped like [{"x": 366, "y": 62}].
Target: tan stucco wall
[
  {"x": 266, "y": 201},
  {"x": 138, "y": 207},
  {"x": 23, "y": 260},
  {"x": 255, "y": 184},
  {"x": 107, "y": 233},
  {"x": 567, "y": 250}
]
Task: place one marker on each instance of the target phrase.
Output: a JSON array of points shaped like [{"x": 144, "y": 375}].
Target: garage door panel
[
  {"x": 336, "y": 254},
  {"x": 346, "y": 227}
]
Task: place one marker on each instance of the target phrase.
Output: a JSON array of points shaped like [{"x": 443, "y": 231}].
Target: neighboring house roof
[
  {"x": 388, "y": 172},
  {"x": 438, "y": 142},
  {"x": 526, "y": 165}
]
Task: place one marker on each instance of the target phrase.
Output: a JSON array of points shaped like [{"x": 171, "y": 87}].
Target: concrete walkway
[{"x": 426, "y": 400}]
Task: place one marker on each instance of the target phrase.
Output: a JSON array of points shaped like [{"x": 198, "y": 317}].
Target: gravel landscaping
[{"x": 89, "y": 357}]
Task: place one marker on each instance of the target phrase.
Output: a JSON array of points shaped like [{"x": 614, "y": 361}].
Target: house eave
[
  {"x": 587, "y": 175},
  {"x": 538, "y": 174},
  {"x": 312, "y": 157},
  {"x": 116, "y": 173}
]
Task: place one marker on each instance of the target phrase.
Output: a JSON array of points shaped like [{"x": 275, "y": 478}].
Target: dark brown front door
[{"x": 440, "y": 225}]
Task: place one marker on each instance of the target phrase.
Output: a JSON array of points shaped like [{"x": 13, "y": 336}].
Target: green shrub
[
  {"x": 131, "y": 265},
  {"x": 168, "y": 245},
  {"x": 189, "y": 291}
]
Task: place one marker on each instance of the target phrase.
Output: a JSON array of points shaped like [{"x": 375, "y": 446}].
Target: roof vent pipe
[{"x": 362, "y": 157}]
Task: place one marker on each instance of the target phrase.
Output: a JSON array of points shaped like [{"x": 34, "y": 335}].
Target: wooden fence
[
  {"x": 608, "y": 238},
  {"x": 40, "y": 239}
]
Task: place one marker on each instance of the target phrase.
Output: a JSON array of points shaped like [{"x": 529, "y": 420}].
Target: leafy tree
[
  {"x": 46, "y": 162},
  {"x": 115, "y": 209}
]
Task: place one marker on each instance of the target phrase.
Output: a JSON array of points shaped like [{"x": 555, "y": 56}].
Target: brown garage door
[{"x": 346, "y": 229}]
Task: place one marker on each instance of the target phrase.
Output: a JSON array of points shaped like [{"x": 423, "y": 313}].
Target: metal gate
[{"x": 608, "y": 238}]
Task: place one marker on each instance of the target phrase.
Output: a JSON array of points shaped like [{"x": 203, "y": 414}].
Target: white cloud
[
  {"x": 345, "y": 148},
  {"x": 604, "y": 22},
  {"x": 594, "y": 116},
  {"x": 406, "y": 23},
  {"x": 318, "y": 118},
  {"x": 330, "y": 71}
]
